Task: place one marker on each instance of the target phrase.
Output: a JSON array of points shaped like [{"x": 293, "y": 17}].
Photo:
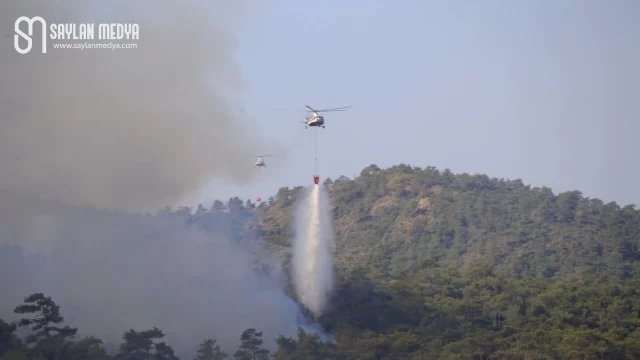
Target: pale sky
[{"x": 545, "y": 91}]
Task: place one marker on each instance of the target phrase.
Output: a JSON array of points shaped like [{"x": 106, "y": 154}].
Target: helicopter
[
  {"x": 260, "y": 161},
  {"x": 315, "y": 119}
]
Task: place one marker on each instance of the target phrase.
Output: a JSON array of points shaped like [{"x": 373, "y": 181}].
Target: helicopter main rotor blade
[
  {"x": 267, "y": 155},
  {"x": 290, "y": 110},
  {"x": 343, "y": 108}
]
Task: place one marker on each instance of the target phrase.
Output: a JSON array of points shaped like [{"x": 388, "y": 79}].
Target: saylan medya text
[{"x": 87, "y": 31}]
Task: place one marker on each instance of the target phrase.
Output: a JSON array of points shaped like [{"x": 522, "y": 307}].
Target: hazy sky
[{"x": 545, "y": 91}]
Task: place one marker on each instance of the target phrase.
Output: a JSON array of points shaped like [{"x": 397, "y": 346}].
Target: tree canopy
[{"x": 430, "y": 265}]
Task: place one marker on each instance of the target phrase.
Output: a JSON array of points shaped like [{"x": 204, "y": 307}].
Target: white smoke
[
  {"x": 312, "y": 264},
  {"x": 113, "y": 271}
]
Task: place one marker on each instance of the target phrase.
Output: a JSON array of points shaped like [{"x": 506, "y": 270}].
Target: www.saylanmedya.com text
[
  {"x": 88, "y": 45},
  {"x": 86, "y": 31}
]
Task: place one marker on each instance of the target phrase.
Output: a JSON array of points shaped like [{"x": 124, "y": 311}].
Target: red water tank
[{"x": 316, "y": 179}]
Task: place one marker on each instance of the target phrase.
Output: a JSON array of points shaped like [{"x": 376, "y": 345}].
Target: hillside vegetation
[
  {"x": 398, "y": 221},
  {"x": 431, "y": 265}
]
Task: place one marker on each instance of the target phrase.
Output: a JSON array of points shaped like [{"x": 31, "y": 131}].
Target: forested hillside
[
  {"x": 431, "y": 265},
  {"x": 397, "y": 221}
]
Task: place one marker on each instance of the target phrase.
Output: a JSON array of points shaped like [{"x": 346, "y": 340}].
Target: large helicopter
[
  {"x": 315, "y": 119},
  {"x": 260, "y": 161}
]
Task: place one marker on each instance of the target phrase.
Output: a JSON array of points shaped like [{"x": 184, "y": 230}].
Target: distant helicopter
[{"x": 260, "y": 161}]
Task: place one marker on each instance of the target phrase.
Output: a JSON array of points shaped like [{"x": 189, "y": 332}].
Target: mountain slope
[
  {"x": 397, "y": 221},
  {"x": 431, "y": 265}
]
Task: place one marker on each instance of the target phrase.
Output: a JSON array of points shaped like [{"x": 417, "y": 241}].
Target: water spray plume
[{"x": 312, "y": 263}]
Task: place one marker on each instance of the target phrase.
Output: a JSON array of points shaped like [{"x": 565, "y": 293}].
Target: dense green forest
[{"x": 430, "y": 265}]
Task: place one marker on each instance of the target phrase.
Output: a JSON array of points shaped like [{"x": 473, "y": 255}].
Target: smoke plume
[
  {"x": 124, "y": 128},
  {"x": 113, "y": 271},
  {"x": 129, "y": 129},
  {"x": 312, "y": 265}
]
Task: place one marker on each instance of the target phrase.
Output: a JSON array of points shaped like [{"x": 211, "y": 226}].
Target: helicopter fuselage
[{"x": 314, "y": 120}]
